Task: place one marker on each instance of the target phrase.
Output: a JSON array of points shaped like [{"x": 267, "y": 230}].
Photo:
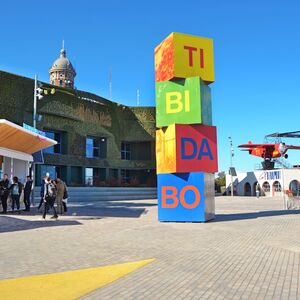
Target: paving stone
[{"x": 251, "y": 250}]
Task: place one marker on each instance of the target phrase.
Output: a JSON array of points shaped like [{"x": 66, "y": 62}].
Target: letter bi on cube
[
  {"x": 183, "y": 56},
  {"x": 186, "y": 148},
  {"x": 184, "y": 101},
  {"x": 186, "y": 197}
]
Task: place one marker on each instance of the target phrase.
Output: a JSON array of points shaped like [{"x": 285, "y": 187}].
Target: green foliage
[
  {"x": 79, "y": 114},
  {"x": 220, "y": 181}
]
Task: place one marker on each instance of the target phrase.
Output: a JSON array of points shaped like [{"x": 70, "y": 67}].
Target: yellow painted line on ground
[{"x": 66, "y": 285}]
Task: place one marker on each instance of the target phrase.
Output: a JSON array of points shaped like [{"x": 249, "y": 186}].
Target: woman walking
[
  {"x": 49, "y": 198},
  {"x": 60, "y": 188}
]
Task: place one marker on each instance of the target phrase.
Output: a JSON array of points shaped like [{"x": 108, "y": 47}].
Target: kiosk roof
[{"x": 17, "y": 138}]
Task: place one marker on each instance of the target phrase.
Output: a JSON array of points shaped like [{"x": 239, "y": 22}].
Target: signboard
[
  {"x": 32, "y": 129},
  {"x": 270, "y": 175}
]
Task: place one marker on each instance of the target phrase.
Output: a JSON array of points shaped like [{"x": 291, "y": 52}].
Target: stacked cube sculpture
[{"x": 186, "y": 141}]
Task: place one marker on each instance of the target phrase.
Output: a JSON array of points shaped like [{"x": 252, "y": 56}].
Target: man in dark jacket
[
  {"x": 16, "y": 191},
  {"x": 27, "y": 192},
  {"x": 4, "y": 192},
  {"x": 42, "y": 191}
]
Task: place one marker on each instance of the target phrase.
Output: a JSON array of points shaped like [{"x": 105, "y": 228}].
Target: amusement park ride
[{"x": 271, "y": 151}]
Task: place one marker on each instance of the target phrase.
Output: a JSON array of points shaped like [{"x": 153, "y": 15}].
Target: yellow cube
[{"x": 182, "y": 56}]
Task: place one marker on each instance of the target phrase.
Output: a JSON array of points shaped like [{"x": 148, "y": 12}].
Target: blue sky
[{"x": 256, "y": 45}]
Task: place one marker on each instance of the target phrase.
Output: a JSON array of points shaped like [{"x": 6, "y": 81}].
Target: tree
[{"x": 220, "y": 181}]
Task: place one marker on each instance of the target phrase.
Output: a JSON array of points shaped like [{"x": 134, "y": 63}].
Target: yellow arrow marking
[{"x": 65, "y": 285}]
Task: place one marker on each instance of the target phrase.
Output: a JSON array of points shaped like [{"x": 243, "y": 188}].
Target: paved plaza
[{"x": 250, "y": 251}]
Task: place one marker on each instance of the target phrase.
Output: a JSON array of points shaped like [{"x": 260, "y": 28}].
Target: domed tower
[{"x": 62, "y": 72}]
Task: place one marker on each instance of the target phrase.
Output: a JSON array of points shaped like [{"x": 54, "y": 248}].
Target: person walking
[
  {"x": 4, "y": 192},
  {"x": 49, "y": 198},
  {"x": 60, "y": 189},
  {"x": 27, "y": 193},
  {"x": 65, "y": 198},
  {"x": 42, "y": 192},
  {"x": 257, "y": 190},
  {"x": 16, "y": 191}
]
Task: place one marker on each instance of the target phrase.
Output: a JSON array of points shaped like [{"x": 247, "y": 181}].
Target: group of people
[
  {"x": 53, "y": 192},
  {"x": 15, "y": 190}
]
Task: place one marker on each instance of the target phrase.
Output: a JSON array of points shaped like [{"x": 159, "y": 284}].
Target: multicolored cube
[
  {"x": 183, "y": 101},
  {"x": 186, "y": 197},
  {"x": 186, "y": 148},
  {"x": 182, "y": 56}
]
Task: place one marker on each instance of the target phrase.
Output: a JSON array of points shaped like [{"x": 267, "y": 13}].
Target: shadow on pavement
[
  {"x": 10, "y": 224},
  {"x": 253, "y": 215},
  {"x": 106, "y": 209},
  {"x": 77, "y": 210}
]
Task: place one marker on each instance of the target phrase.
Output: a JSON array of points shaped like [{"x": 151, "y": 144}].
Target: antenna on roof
[
  {"x": 110, "y": 83},
  {"x": 138, "y": 97}
]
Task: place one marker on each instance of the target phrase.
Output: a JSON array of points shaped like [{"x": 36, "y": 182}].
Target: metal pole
[
  {"x": 284, "y": 201},
  {"x": 231, "y": 155},
  {"x": 34, "y": 101},
  {"x": 33, "y": 169}
]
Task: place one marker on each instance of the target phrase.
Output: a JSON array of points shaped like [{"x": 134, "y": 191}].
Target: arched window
[
  {"x": 266, "y": 187},
  {"x": 276, "y": 186},
  {"x": 247, "y": 189},
  {"x": 294, "y": 186}
]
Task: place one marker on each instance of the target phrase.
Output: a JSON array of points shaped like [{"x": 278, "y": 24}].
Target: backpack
[
  {"x": 15, "y": 189},
  {"x": 50, "y": 190}
]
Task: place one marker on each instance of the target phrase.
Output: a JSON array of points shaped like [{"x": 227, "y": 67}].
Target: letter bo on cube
[
  {"x": 186, "y": 197},
  {"x": 186, "y": 148}
]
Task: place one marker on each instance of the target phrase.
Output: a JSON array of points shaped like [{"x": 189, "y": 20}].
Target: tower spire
[{"x": 63, "y": 44}]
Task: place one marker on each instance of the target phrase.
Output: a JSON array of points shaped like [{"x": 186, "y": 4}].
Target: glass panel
[
  {"x": 96, "y": 152},
  {"x": 49, "y": 135},
  {"x": 54, "y": 136},
  {"x": 89, "y": 147},
  {"x": 48, "y": 169},
  {"x": 89, "y": 176}
]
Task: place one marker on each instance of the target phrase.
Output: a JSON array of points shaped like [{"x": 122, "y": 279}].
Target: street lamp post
[
  {"x": 37, "y": 95},
  {"x": 34, "y": 101},
  {"x": 231, "y": 159},
  {"x": 281, "y": 150}
]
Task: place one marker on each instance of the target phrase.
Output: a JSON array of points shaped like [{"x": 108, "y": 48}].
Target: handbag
[
  {"x": 65, "y": 196},
  {"x": 22, "y": 197}
]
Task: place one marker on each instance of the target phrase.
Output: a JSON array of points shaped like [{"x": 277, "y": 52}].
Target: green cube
[{"x": 183, "y": 101}]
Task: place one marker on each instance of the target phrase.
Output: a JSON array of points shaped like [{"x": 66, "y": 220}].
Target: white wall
[
  {"x": 19, "y": 168},
  {"x": 283, "y": 176}
]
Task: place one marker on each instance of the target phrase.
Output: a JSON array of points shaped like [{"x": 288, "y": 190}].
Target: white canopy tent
[{"x": 16, "y": 147}]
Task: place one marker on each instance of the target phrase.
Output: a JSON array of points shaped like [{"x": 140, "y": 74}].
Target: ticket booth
[{"x": 16, "y": 147}]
